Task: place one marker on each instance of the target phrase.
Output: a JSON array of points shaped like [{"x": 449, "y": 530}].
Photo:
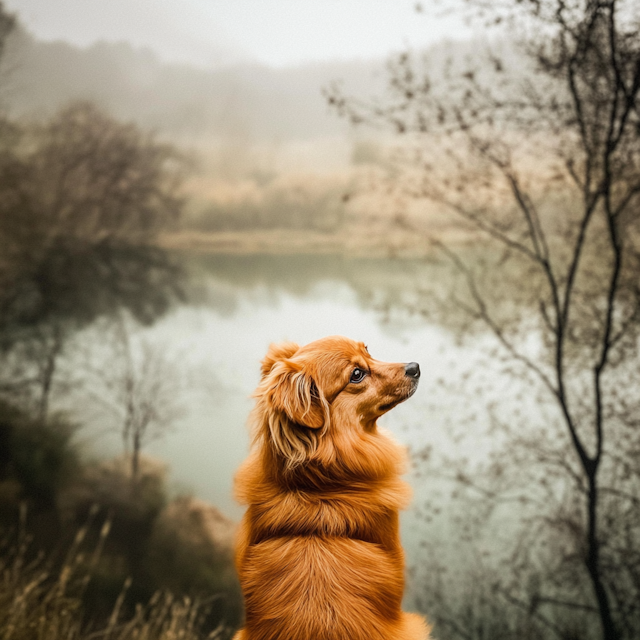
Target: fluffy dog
[{"x": 318, "y": 552}]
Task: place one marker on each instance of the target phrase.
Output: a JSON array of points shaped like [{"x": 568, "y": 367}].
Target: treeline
[
  {"x": 245, "y": 101},
  {"x": 301, "y": 202},
  {"x": 252, "y": 127}
]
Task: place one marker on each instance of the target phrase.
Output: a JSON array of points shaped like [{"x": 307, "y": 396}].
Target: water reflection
[
  {"x": 239, "y": 305},
  {"x": 222, "y": 281}
]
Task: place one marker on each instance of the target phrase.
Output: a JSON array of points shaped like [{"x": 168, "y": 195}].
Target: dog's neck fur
[
  {"x": 345, "y": 454},
  {"x": 354, "y": 467}
]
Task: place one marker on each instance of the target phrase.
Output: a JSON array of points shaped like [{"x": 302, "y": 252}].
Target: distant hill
[
  {"x": 250, "y": 101},
  {"x": 133, "y": 84}
]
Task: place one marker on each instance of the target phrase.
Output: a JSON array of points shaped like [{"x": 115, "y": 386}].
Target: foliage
[
  {"x": 184, "y": 556},
  {"x": 301, "y": 202},
  {"x": 141, "y": 391},
  {"x": 39, "y": 458},
  {"x": 153, "y": 544},
  {"x": 7, "y": 25},
  {"x": 83, "y": 199}
]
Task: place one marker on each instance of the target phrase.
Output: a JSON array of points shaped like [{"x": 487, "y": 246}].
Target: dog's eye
[{"x": 357, "y": 375}]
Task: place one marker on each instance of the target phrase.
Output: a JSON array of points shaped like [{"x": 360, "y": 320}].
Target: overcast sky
[{"x": 274, "y": 32}]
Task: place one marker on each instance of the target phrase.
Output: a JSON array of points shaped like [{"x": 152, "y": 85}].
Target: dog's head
[{"x": 330, "y": 391}]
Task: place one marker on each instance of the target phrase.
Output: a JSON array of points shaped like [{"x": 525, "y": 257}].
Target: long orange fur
[{"x": 318, "y": 551}]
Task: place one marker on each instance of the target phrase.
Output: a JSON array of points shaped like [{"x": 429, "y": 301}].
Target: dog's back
[{"x": 318, "y": 553}]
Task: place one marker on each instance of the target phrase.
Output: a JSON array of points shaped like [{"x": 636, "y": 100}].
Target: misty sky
[{"x": 273, "y": 32}]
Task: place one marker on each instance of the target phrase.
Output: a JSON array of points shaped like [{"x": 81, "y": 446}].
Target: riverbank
[{"x": 353, "y": 242}]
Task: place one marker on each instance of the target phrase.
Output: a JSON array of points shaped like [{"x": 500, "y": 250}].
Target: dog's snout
[{"x": 412, "y": 370}]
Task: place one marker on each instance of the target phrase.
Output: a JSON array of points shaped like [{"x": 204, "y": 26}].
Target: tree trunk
[
  {"x": 47, "y": 372},
  {"x": 135, "y": 462},
  {"x": 609, "y": 631}
]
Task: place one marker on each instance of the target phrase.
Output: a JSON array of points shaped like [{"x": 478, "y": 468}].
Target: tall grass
[{"x": 42, "y": 601}]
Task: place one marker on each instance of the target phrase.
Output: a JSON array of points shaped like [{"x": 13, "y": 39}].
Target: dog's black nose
[{"x": 412, "y": 370}]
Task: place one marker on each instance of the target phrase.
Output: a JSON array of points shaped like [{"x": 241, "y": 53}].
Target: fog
[
  {"x": 183, "y": 183},
  {"x": 274, "y": 33},
  {"x": 256, "y": 136}
]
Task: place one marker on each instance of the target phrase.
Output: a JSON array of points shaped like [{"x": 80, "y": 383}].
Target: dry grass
[{"x": 38, "y": 602}]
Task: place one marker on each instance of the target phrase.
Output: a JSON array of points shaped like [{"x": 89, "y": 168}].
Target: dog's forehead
[{"x": 334, "y": 347}]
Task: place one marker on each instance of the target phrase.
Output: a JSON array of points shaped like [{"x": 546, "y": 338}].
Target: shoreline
[{"x": 356, "y": 243}]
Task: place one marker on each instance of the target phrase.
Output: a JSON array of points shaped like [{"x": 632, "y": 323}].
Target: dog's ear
[
  {"x": 294, "y": 411},
  {"x": 276, "y": 353},
  {"x": 296, "y": 394}
]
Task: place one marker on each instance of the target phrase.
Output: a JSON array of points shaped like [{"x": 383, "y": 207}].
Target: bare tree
[
  {"x": 541, "y": 159},
  {"x": 138, "y": 387},
  {"x": 82, "y": 201}
]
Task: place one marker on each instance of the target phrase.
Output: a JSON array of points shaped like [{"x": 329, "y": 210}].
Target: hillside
[{"x": 179, "y": 100}]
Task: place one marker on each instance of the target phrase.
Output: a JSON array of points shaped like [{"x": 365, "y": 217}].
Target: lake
[{"x": 240, "y": 304}]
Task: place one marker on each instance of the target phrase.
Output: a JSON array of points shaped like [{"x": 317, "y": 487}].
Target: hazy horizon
[
  {"x": 275, "y": 33},
  {"x": 266, "y": 144}
]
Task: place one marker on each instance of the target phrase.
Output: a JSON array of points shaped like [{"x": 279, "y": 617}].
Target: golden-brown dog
[{"x": 318, "y": 554}]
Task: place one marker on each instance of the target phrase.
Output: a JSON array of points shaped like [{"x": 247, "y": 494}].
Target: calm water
[{"x": 240, "y": 305}]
